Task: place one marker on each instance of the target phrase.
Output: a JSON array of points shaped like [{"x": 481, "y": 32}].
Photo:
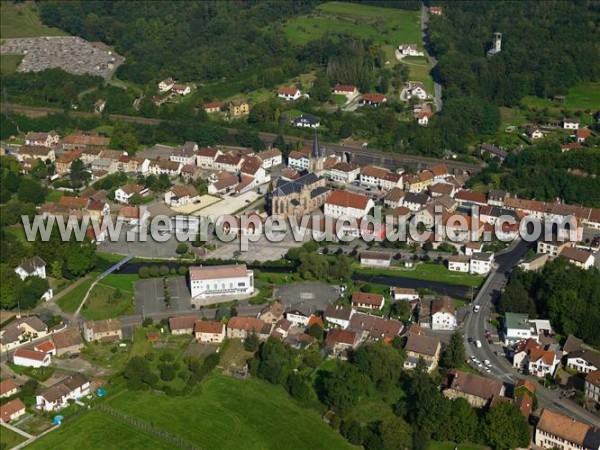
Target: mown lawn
[
  {"x": 72, "y": 299},
  {"x": 228, "y": 413},
  {"x": 583, "y": 96},
  {"x": 18, "y": 232},
  {"x": 125, "y": 282},
  {"x": 10, "y": 439},
  {"x": 54, "y": 196},
  {"x": 429, "y": 272},
  {"x": 22, "y": 20},
  {"x": 435, "y": 445},
  {"x": 96, "y": 430},
  {"x": 102, "y": 303},
  {"x": 9, "y": 64}
]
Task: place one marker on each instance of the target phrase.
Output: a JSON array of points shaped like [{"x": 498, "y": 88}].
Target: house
[
  {"x": 532, "y": 356},
  {"x": 228, "y": 162},
  {"x": 252, "y": 166},
  {"x": 557, "y": 431},
  {"x": 271, "y": 158},
  {"x": 186, "y": 154},
  {"x": 516, "y": 328},
  {"x": 573, "y": 343},
  {"x": 58, "y": 395},
  {"x": 31, "y": 358},
  {"x": 166, "y": 85},
  {"x": 209, "y": 331},
  {"x": 345, "y": 203},
  {"x": 583, "y": 361},
  {"x": 481, "y": 263},
  {"x": 415, "y": 201},
  {"x": 591, "y": 387},
  {"x": 477, "y": 390},
  {"x": 205, "y": 157},
  {"x": 552, "y": 248},
  {"x": 34, "y": 152},
  {"x": 339, "y": 341},
  {"x": 99, "y": 106},
  {"x": 212, "y": 107},
  {"x": 415, "y": 89},
  {"x": 582, "y": 134},
  {"x": 306, "y": 121},
  {"x": 458, "y": 263},
  {"x": 180, "y": 195},
  {"x": 63, "y": 164},
  {"x": 345, "y": 89},
  {"x": 42, "y": 139},
  {"x": 181, "y": 89},
  {"x": 126, "y": 192},
  {"x": 418, "y": 182},
  {"x": 21, "y": 331},
  {"x": 88, "y": 141},
  {"x": 209, "y": 282},
  {"x": 443, "y": 314},
  {"x": 390, "y": 181},
  {"x": 68, "y": 341},
  {"x": 423, "y": 118},
  {"x": 420, "y": 346},
  {"x": 375, "y": 259},
  {"x": 372, "y": 176},
  {"x": 581, "y": 258},
  {"x": 493, "y": 151},
  {"x": 271, "y": 313},
  {"x": 238, "y": 108},
  {"x": 12, "y": 410},
  {"x": 8, "y": 388},
  {"x": 339, "y": 316},
  {"x": 240, "y": 327},
  {"x": 182, "y": 324},
  {"x": 374, "y": 327},
  {"x": 372, "y": 99},
  {"x": 471, "y": 248},
  {"x": 470, "y": 198},
  {"x": 299, "y": 315},
  {"x": 533, "y": 132},
  {"x": 409, "y": 50},
  {"x": 496, "y": 197},
  {"x": 367, "y": 300},
  {"x": 289, "y": 93},
  {"x": 133, "y": 215},
  {"x": 344, "y": 172},
  {"x": 399, "y": 293},
  {"x": 108, "y": 330},
  {"x": 436, "y": 10},
  {"x": 47, "y": 347},
  {"x": 160, "y": 167},
  {"x": 394, "y": 198},
  {"x": 32, "y": 267},
  {"x": 570, "y": 124}
]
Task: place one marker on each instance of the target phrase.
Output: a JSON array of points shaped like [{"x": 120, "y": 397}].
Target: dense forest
[
  {"x": 545, "y": 48},
  {"x": 565, "y": 294}
]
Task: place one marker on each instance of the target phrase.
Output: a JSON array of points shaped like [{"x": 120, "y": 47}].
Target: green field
[
  {"x": 435, "y": 445},
  {"x": 71, "y": 300},
  {"x": 125, "y": 282},
  {"x": 430, "y": 272},
  {"x": 101, "y": 303},
  {"x": 10, "y": 439},
  {"x": 22, "y": 20},
  {"x": 96, "y": 430},
  {"x": 9, "y": 64},
  {"x": 18, "y": 232},
  {"x": 54, "y": 196},
  {"x": 385, "y": 25},
  {"x": 419, "y": 71},
  {"x": 225, "y": 413},
  {"x": 583, "y": 96}
]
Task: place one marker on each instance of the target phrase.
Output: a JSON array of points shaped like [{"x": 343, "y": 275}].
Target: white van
[
  {"x": 478, "y": 344},
  {"x": 476, "y": 308}
]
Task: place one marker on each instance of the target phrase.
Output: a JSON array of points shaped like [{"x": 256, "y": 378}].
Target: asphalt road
[
  {"x": 437, "y": 86},
  {"x": 477, "y": 323}
]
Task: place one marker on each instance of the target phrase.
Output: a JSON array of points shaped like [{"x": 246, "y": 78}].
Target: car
[
  {"x": 368, "y": 189},
  {"x": 487, "y": 369},
  {"x": 74, "y": 356},
  {"x": 476, "y": 308},
  {"x": 478, "y": 343},
  {"x": 470, "y": 340},
  {"x": 487, "y": 362},
  {"x": 479, "y": 364}
]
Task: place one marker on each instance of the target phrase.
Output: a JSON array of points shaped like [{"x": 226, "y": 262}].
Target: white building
[
  {"x": 443, "y": 314},
  {"x": 584, "y": 361},
  {"x": 57, "y": 396},
  {"x": 556, "y": 431},
  {"x": 32, "y": 267},
  {"x": 185, "y": 154},
  {"x": 570, "y": 124},
  {"x": 339, "y": 315},
  {"x": 458, "y": 263},
  {"x": 481, "y": 263},
  {"x": 531, "y": 355},
  {"x": 228, "y": 162},
  {"x": 299, "y": 160},
  {"x": 205, "y": 157},
  {"x": 375, "y": 259},
  {"x": 516, "y": 328},
  {"x": 344, "y": 203},
  {"x": 209, "y": 331},
  {"x": 409, "y": 50},
  {"x": 581, "y": 258},
  {"x": 124, "y": 193},
  {"x": 398, "y": 293},
  {"x": 30, "y": 358},
  {"x": 166, "y": 85},
  {"x": 344, "y": 172},
  {"x": 367, "y": 300},
  {"x": 42, "y": 139},
  {"x": 289, "y": 93},
  {"x": 180, "y": 195},
  {"x": 208, "y": 282},
  {"x": 415, "y": 89},
  {"x": 271, "y": 158}
]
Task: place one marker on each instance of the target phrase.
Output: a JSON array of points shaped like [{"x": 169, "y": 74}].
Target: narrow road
[
  {"x": 437, "y": 86},
  {"x": 477, "y": 323}
]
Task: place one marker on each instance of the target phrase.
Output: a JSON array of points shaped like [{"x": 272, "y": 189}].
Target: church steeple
[{"x": 316, "y": 150}]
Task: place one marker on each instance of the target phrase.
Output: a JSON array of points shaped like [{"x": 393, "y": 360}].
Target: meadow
[
  {"x": 22, "y": 20},
  {"x": 581, "y": 97},
  {"x": 10, "y": 439},
  {"x": 430, "y": 272}
]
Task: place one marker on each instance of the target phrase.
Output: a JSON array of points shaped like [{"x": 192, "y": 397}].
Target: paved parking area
[
  {"x": 150, "y": 299},
  {"x": 313, "y": 296}
]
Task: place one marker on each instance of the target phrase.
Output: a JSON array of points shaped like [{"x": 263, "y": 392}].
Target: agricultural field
[
  {"x": 581, "y": 97},
  {"x": 22, "y": 20}
]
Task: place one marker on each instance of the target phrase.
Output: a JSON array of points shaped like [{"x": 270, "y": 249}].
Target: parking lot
[
  {"x": 150, "y": 298},
  {"x": 313, "y": 296}
]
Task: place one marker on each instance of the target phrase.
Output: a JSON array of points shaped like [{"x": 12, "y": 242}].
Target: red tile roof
[
  {"x": 7, "y": 386},
  {"x": 11, "y": 408},
  {"x": 45, "y": 347},
  {"x": 365, "y": 298},
  {"x": 207, "y": 326},
  {"x": 344, "y": 88},
  {"x": 29, "y": 354},
  {"x": 348, "y": 200},
  {"x": 337, "y": 336},
  {"x": 287, "y": 91},
  {"x": 374, "y": 98}
]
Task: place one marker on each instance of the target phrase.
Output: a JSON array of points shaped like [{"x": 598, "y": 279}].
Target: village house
[
  {"x": 205, "y": 157},
  {"x": 345, "y": 89},
  {"x": 591, "y": 387},
  {"x": 493, "y": 151},
  {"x": 166, "y": 85},
  {"x": 63, "y": 164},
  {"x": 42, "y": 139},
  {"x": 471, "y": 248},
  {"x": 477, "y": 390},
  {"x": 496, "y": 197},
  {"x": 212, "y": 107},
  {"x": 99, "y": 106},
  {"x": 409, "y": 50},
  {"x": 47, "y": 347},
  {"x": 460, "y": 228},
  {"x": 289, "y": 93},
  {"x": 240, "y": 327},
  {"x": 408, "y": 294},
  {"x": 570, "y": 124},
  {"x": 133, "y": 215},
  {"x": 415, "y": 89},
  {"x": 182, "y": 324},
  {"x": 458, "y": 263},
  {"x": 582, "y": 134},
  {"x": 423, "y": 118},
  {"x": 8, "y": 388},
  {"x": 372, "y": 176},
  {"x": 372, "y": 99},
  {"x": 228, "y": 162},
  {"x": 394, "y": 198},
  {"x": 583, "y": 361},
  {"x": 57, "y": 396},
  {"x": 209, "y": 331},
  {"x": 299, "y": 159},
  {"x": 181, "y": 89},
  {"x": 552, "y": 248},
  {"x": 126, "y": 192},
  {"x": 415, "y": 201},
  {"x": 470, "y": 198},
  {"x": 12, "y": 410},
  {"x": 375, "y": 328},
  {"x": 68, "y": 342},
  {"x": 31, "y": 358},
  {"x": 209, "y": 282},
  {"x": 339, "y": 316},
  {"x": 344, "y": 172},
  {"x": 90, "y": 142},
  {"x": 375, "y": 259},
  {"x": 32, "y": 267},
  {"x": 367, "y": 300},
  {"x": 531, "y": 355},
  {"x": 340, "y": 341},
  {"x": 419, "y": 346},
  {"x": 442, "y": 188},
  {"x": 436, "y": 10},
  {"x": 104, "y": 165},
  {"x": 160, "y": 167},
  {"x": 271, "y": 313},
  {"x": 443, "y": 314},
  {"x": 281, "y": 330},
  {"x": 21, "y": 331},
  {"x": 238, "y": 108},
  {"x": 581, "y": 258},
  {"x": 108, "y": 330},
  {"x": 418, "y": 182},
  {"x": 271, "y": 158},
  {"x": 180, "y": 195},
  {"x": 481, "y": 263},
  {"x": 252, "y": 167},
  {"x": 533, "y": 132},
  {"x": 557, "y": 431},
  {"x": 186, "y": 154},
  {"x": 516, "y": 328},
  {"x": 306, "y": 121},
  {"x": 33, "y": 152},
  {"x": 344, "y": 203},
  {"x": 299, "y": 314}
]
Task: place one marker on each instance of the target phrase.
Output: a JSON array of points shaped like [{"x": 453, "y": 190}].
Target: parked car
[
  {"x": 478, "y": 343},
  {"x": 476, "y": 308}
]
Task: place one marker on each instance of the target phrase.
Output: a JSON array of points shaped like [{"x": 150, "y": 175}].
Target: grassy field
[
  {"x": 18, "y": 232},
  {"x": 54, "y": 196},
  {"x": 125, "y": 282},
  {"x": 95, "y": 430},
  {"x": 583, "y": 96},
  {"x": 10, "y": 439},
  {"x": 430, "y": 272},
  {"x": 71, "y": 300},
  {"x": 419, "y": 71},
  {"x": 101, "y": 303},
  {"x": 9, "y": 64},
  {"x": 229, "y": 413},
  {"x": 435, "y": 445},
  {"x": 22, "y": 20}
]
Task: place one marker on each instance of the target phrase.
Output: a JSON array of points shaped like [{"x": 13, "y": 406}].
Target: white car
[
  {"x": 478, "y": 344},
  {"x": 487, "y": 362},
  {"x": 476, "y": 308},
  {"x": 487, "y": 369}
]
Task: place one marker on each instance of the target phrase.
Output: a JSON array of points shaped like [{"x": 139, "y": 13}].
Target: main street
[{"x": 477, "y": 323}]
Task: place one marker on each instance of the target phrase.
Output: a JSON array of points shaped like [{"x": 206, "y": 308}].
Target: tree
[
  {"x": 78, "y": 173},
  {"x": 12, "y": 287},
  {"x": 31, "y": 191},
  {"x": 381, "y": 363},
  {"x": 182, "y": 270},
  {"x": 167, "y": 372},
  {"x": 505, "y": 427},
  {"x": 163, "y": 271},
  {"x": 144, "y": 272},
  {"x": 342, "y": 387},
  {"x": 316, "y": 331},
  {"x": 395, "y": 434},
  {"x": 56, "y": 269},
  {"x": 454, "y": 352},
  {"x": 321, "y": 89},
  {"x": 251, "y": 343},
  {"x": 40, "y": 170},
  {"x": 33, "y": 289},
  {"x": 147, "y": 322},
  {"x": 298, "y": 387},
  {"x": 401, "y": 308},
  {"x": 182, "y": 249}
]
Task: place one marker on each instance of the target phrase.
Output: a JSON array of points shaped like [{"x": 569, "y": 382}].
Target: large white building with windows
[{"x": 207, "y": 283}]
